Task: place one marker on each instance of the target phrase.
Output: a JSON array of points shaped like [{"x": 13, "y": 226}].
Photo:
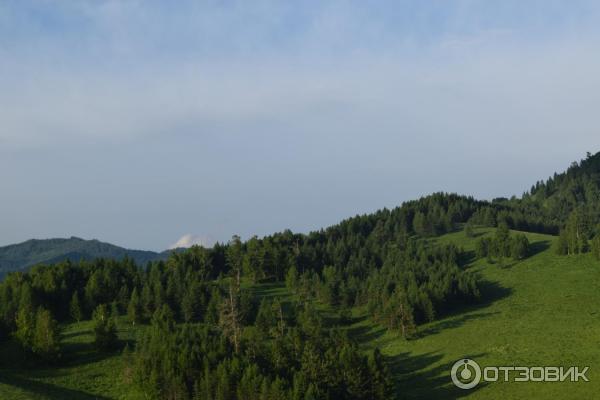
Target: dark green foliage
[
  {"x": 46, "y": 337},
  {"x": 576, "y": 190},
  {"x": 381, "y": 384},
  {"x": 266, "y": 320},
  {"x": 519, "y": 248},
  {"x": 416, "y": 284},
  {"x": 574, "y": 237},
  {"x": 469, "y": 229},
  {"x": 25, "y": 326},
  {"x": 75, "y": 308},
  {"x": 291, "y": 278},
  {"x": 503, "y": 245},
  {"x": 484, "y": 247},
  {"x": 105, "y": 329},
  {"x": 502, "y": 240},
  {"x": 134, "y": 308},
  {"x": 191, "y": 360},
  {"x": 36, "y": 331}
]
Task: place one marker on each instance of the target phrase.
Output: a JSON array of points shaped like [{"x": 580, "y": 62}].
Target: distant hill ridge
[
  {"x": 47, "y": 251},
  {"x": 545, "y": 208}
]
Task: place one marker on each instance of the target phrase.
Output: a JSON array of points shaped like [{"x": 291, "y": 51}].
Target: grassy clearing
[
  {"x": 83, "y": 373},
  {"x": 541, "y": 311}
]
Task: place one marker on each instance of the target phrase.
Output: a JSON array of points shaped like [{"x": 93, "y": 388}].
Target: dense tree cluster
[
  {"x": 416, "y": 284},
  {"x": 207, "y": 335},
  {"x": 296, "y": 359},
  {"x": 503, "y": 245},
  {"x": 579, "y": 235},
  {"x": 561, "y": 194},
  {"x": 105, "y": 329}
]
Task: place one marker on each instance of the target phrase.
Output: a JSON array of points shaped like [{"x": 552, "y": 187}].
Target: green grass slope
[
  {"x": 540, "y": 311},
  {"x": 83, "y": 374}
]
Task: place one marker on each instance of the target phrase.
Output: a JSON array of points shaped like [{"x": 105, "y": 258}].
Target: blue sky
[{"x": 137, "y": 122}]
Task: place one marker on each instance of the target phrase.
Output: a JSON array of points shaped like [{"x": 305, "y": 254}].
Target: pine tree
[
  {"x": 189, "y": 305},
  {"x": 25, "y": 322},
  {"x": 291, "y": 279},
  {"x": 381, "y": 384},
  {"x": 469, "y": 231},
  {"x": 75, "y": 307},
  {"x": 420, "y": 224},
  {"x": 230, "y": 317},
  {"x": 147, "y": 301},
  {"x": 265, "y": 319},
  {"x": 483, "y": 247},
  {"x": 577, "y": 231},
  {"x": 519, "y": 247},
  {"x": 46, "y": 338},
  {"x": 406, "y": 319},
  {"x": 134, "y": 309},
  {"x": 235, "y": 258},
  {"x": 105, "y": 329},
  {"x": 502, "y": 240}
]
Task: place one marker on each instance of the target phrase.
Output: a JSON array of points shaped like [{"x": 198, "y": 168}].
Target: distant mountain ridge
[{"x": 21, "y": 256}]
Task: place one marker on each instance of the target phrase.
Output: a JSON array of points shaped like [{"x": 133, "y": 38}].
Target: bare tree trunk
[{"x": 234, "y": 317}]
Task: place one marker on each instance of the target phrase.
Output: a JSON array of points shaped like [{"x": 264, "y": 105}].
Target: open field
[{"x": 542, "y": 311}]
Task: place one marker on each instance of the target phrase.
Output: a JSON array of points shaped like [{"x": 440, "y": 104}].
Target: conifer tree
[
  {"x": 25, "y": 326},
  {"x": 134, "y": 309},
  {"x": 75, "y": 307},
  {"x": 469, "y": 231},
  {"x": 46, "y": 338},
  {"x": 105, "y": 329},
  {"x": 230, "y": 318}
]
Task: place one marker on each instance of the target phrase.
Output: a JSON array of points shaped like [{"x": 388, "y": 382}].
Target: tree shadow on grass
[
  {"x": 415, "y": 378},
  {"x": 491, "y": 292},
  {"x": 538, "y": 247},
  {"x": 76, "y": 333},
  {"x": 44, "y": 389},
  {"x": 450, "y": 323},
  {"x": 75, "y": 354},
  {"x": 366, "y": 333},
  {"x": 457, "y": 314},
  {"x": 466, "y": 257}
]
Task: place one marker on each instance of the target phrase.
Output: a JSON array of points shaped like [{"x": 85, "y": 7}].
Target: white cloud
[{"x": 190, "y": 240}]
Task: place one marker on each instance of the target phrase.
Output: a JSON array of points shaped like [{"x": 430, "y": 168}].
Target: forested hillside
[
  {"x": 204, "y": 329},
  {"x": 48, "y": 251}
]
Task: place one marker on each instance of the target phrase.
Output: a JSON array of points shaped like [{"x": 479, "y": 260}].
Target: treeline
[
  {"x": 350, "y": 250},
  {"x": 562, "y": 194},
  {"x": 333, "y": 265},
  {"x": 416, "y": 283}
]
